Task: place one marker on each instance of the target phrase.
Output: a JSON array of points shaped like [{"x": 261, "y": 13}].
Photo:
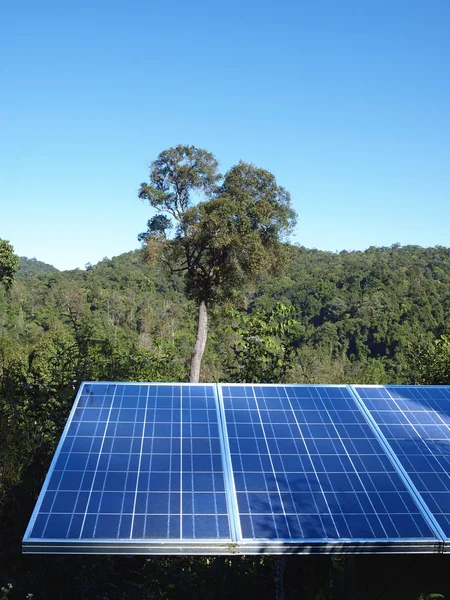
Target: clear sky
[{"x": 347, "y": 102}]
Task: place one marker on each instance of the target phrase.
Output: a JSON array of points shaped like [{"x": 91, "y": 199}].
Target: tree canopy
[
  {"x": 432, "y": 363},
  {"x": 264, "y": 345},
  {"x": 9, "y": 263}
]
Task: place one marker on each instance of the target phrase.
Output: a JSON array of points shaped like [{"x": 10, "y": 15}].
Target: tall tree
[
  {"x": 9, "y": 263},
  {"x": 221, "y": 243}
]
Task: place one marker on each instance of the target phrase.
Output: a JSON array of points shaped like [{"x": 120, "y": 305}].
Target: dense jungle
[{"x": 378, "y": 316}]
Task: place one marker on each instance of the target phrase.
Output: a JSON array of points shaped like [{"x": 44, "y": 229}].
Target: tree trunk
[{"x": 199, "y": 348}]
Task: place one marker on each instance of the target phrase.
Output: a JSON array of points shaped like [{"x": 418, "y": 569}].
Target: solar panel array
[{"x": 228, "y": 468}]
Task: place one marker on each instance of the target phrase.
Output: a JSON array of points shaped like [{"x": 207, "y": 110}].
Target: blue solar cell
[
  {"x": 155, "y": 466},
  {"x": 132, "y": 459},
  {"x": 415, "y": 422},
  {"x": 307, "y": 465}
]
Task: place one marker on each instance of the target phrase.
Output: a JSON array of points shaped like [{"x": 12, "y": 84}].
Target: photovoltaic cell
[
  {"x": 307, "y": 466},
  {"x": 136, "y": 462},
  {"x": 191, "y": 468},
  {"x": 415, "y": 421}
]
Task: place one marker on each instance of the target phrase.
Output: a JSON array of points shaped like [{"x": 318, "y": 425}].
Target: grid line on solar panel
[
  {"x": 136, "y": 462},
  {"x": 415, "y": 422},
  {"x": 307, "y": 465}
]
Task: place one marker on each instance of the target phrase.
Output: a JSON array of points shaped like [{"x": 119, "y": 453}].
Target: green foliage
[
  {"x": 223, "y": 242},
  {"x": 432, "y": 364},
  {"x": 116, "y": 363},
  {"x": 29, "y": 267},
  {"x": 9, "y": 263},
  {"x": 352, "y": 317},
  {"x": 264, "y": 345},
  {"x": 361, "y": 313},
  {"x": 363, "y": 306},
  {"x": 175, "y": 174}
]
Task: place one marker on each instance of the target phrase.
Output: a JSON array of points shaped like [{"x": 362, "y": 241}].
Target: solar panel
[
  {"x": 139, "y": 468},
  {"x": 415, "y": 422},
  {"x": 308, "y": 468},
  {"x": 223, "y": 469}
]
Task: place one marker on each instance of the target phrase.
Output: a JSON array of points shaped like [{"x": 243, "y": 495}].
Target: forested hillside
[
  {"x": 356, "y": 317},
  {"x": 364, "y": 311},
  {"x": 32, "y": 266},
  {"x": 359, "y": 313}
]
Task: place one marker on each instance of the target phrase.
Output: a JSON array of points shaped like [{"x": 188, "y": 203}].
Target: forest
[
  {"x": 215, "y": 294},
  {"x": 378, "y": 316}
]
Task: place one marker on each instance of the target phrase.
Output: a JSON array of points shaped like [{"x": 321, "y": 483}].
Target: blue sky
[{"x": 347, "y": 102}]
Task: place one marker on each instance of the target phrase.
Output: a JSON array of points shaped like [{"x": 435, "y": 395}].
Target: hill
[
  {"x": 360, "y": 312},
  {"x": 31, "y": 266}
]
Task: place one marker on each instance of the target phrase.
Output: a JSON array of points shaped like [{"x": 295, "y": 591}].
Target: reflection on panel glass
[
  {"x": 306, "y": 465},
  {"x": 415, "y": 421}
]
